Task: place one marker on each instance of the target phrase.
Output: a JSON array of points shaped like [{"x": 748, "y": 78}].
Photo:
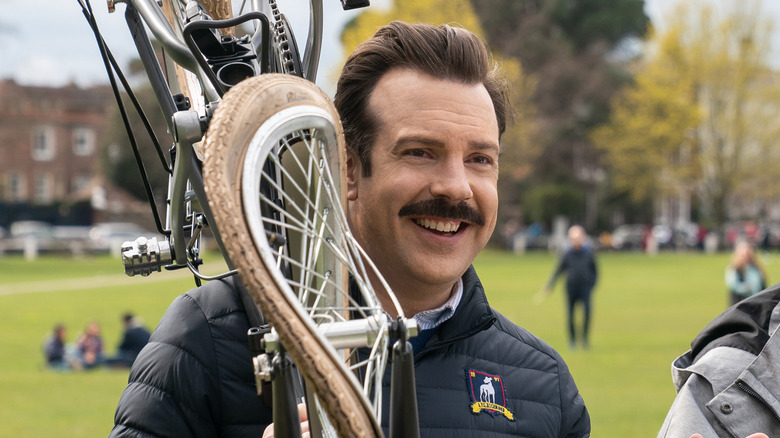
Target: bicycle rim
[{"x": 274, "y": 175}]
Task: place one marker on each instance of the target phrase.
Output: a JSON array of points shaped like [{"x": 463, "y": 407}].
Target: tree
[
  {"x": 589, "y": 22},
  {"x": 437, "y": 12},
  {"x": 689, "y": 123},
  {"x": 119, "y": 162},
  {"x": 649, "y": 130},
  {"x": 563, "y": 45}
]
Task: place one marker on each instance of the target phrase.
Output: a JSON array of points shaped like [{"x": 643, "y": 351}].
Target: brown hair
[{"x": 443, "y": 52}]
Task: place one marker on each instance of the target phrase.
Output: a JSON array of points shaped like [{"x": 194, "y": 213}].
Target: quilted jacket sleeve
[
  {"x": 575, "y": 418},
  {"x": 173, "y": 386}
]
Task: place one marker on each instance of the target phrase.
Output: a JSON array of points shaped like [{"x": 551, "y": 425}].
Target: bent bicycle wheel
[{"x": 274, "y": 172}]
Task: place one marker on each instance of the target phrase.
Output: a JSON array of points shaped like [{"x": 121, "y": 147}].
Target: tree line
[{"x": 613, "y": 116}]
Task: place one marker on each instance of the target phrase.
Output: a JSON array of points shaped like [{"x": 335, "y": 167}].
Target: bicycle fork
[{"x": 274, "y": 371}]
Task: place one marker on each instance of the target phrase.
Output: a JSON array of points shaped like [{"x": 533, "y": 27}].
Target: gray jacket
[{"x": 727, "y": 384}]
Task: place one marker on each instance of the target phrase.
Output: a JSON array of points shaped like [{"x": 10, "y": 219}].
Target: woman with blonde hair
[{"x": 744, "y": 276}]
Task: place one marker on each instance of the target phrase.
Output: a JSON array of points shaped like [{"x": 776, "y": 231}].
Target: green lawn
[
  {"x": 36, "y": 402},
  {"x": 646, "y": 312},
  {"x": 647, "y": 309}
]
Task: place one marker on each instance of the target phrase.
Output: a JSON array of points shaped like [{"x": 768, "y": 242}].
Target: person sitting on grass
[
  {"x": 54, "y": 349},
  {"x": 134, "y": 338},
  {"x": 89, "y": 347}
]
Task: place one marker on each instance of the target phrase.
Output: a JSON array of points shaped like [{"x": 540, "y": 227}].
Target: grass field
[{"x": 647, "y": 309}]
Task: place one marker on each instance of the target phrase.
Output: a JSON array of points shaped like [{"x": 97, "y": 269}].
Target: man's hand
[
  {"x": 269, "y": 431},
  {"x": 542, "y": 294}
]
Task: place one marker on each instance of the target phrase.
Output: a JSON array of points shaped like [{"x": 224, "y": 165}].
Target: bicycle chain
[{"x": 280, "y": 36}]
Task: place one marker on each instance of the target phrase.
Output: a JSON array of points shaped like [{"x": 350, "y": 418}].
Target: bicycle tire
[
  {"x": 254, "y": 114},
  {"x": 218, "y": 9}
]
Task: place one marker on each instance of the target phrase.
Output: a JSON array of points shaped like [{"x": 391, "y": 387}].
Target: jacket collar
[
  {"x": 472, "y": 316},
  {"x": 746, "y": 325}
]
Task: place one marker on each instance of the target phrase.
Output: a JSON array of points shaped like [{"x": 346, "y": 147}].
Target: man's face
[
  {"x": 430, "y": 203},
  {"x": 576, "y": 237}
]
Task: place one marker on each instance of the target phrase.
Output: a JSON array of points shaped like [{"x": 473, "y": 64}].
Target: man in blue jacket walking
[{"x": 579, "y": 264}]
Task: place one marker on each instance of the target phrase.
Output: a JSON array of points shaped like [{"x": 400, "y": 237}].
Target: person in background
[
  {"x": 89, "y": 347},
  {"x": 579, "y": 264},
  {"x": 134, "y": 339},
  {"x": 745, "y": 276},
  {"x": 54, "y": 349}
]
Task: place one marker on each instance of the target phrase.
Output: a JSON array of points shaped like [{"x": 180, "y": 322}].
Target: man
[
  {"x": 727, "y": 383},
  {"x": 423, "y": 110},
  {"x": 134, "y": 338},
  {"x": 579, "y": 264}
]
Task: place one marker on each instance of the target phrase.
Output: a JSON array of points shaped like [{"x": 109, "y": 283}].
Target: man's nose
[{"x": 451, "y": 181}]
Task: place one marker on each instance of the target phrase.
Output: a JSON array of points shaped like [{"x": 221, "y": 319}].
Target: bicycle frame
[{"x": 187, "y": 127}]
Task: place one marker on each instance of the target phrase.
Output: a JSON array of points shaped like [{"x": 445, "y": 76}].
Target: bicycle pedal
[{"x": 144, "y": 256}]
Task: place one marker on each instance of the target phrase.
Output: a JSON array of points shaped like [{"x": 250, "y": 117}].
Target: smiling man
[
  {"x": 430, "y": 203},
  {"x": 423, "y": 110}
]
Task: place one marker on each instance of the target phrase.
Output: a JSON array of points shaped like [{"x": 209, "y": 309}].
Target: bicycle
[{"x": 258, "y": 159}]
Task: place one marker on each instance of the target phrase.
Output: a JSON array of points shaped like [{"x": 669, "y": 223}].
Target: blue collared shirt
[{"x": 430, "y": 319}]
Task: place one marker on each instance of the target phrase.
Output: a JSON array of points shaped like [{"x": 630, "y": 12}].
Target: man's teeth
[{"x": 439, "y": 226}]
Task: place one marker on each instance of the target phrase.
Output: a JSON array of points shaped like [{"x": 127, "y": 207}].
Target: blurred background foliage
[
  {"x": 614, "y": 116},
  {"x": 615, "y": 120}
]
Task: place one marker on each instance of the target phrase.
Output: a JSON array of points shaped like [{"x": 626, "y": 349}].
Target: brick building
[
  {"x": 51, "y": 142},
  {"x": 50, "y": 139}
]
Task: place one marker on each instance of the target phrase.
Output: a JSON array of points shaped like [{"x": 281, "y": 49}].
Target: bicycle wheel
[{"x": 273, "y": 167}]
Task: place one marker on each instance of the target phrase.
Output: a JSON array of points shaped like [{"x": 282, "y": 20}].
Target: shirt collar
[{"x": 429, "y": 319}]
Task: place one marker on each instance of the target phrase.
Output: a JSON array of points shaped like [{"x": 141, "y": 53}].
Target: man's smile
[
  {"x": 441, "y": 226},
  {"x": 448, "y": 214}
]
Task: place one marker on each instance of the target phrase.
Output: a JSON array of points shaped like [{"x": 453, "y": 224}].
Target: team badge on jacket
[{"x": 487, "y": 394}]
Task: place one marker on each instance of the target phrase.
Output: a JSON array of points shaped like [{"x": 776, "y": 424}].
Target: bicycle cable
[{"x": 112, "y": 68}]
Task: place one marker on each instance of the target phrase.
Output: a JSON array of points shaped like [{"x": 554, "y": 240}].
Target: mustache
[{"x": 438, "y": 207}]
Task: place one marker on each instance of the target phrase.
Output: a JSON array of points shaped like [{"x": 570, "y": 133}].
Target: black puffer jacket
[
  {"x": 194, "y": 378},
  {"x": 477, "y": 370},
  {"x": 478, "y": 354}
]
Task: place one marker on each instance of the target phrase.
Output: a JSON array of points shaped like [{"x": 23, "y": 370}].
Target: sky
[{"x": 58, "y": 47}]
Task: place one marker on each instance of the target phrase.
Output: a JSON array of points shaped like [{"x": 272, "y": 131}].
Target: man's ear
[{"x": 353, "y": 169}]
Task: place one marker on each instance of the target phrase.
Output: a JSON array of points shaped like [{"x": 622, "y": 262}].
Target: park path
[{"x": 82, "y": 283}]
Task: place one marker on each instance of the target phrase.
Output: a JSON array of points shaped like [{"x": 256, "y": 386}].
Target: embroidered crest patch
[{"x": 487, "y": 394}]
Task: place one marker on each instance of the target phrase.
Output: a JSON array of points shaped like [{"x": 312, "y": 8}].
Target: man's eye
[
  {"x": 481, "y": 160},
  {"x": 416, "y": 152}
]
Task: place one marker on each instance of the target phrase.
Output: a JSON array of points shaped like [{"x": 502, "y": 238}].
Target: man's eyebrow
[
  {"x": 487, "y": 147},
  {"x": 414, "y": 139}
]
